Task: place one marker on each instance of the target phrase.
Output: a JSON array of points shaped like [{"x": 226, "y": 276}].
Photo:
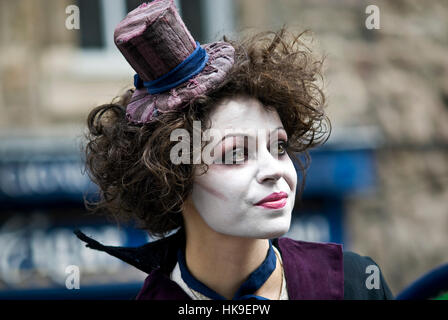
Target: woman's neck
[{"x": 223, "y": 262}]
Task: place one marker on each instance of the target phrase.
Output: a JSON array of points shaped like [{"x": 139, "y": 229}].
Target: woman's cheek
[
  {"x": 211, "y": 189},
  {"x": 291, "y": 174},
  {"x": 217, "y": 181}
]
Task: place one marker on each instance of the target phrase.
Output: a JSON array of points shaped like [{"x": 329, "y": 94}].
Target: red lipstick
[{"x": 275, "y": 200}]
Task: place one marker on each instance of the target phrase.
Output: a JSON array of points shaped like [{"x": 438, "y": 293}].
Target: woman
[{"x": 228, "y": 196}]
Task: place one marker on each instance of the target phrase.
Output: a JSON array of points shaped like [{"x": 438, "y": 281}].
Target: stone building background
[{"x": 393, "y": 81}]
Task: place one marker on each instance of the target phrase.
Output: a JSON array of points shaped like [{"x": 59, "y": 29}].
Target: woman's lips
[{"x": 275, "y": 200}]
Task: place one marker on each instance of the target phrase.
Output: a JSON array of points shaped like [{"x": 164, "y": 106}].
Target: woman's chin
[
  {"x": 273, "y": 232},
  {"x": 277, "y": 233}
]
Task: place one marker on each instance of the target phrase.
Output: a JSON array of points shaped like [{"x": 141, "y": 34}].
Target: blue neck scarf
[{"x": 255, "y": 280}]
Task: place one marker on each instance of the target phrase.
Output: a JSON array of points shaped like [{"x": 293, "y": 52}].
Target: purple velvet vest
[{"x": 313, "y": 271}]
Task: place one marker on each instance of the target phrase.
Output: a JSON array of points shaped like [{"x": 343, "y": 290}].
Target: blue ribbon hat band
[
  {"x": 184, "y": 71},
  {"x": 255, "y": 280}
]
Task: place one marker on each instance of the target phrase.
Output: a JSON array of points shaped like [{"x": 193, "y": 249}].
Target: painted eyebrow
[
  {"x": 281, "y": 128},
  {"x": 241, "y": 134}
]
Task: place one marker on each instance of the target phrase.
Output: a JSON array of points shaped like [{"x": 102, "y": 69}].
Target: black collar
[
  {"x": 148, "y": 257},
  {"x": 160, "y": 254}
]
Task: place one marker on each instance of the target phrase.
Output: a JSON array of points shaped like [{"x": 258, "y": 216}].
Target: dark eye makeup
[{"x": 240, "y": 154}]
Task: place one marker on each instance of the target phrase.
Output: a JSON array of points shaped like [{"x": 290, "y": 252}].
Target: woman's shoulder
[
  {"x": 363, "y": 279},
  {"x": 361, "y": 276},
  {"x": 314, "y": 270}
]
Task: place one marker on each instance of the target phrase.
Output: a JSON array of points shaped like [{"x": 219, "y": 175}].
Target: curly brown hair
[{"x": 131, "y": 165}]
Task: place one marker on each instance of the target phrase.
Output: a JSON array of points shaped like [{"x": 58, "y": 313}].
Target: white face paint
[{"x": 225, "y": 196}]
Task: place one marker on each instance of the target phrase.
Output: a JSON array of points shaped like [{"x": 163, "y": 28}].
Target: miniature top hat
[{"x": 171, "y": 67}]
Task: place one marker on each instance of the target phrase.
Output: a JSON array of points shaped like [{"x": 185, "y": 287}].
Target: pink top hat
[{"x": 171, "y": 67}]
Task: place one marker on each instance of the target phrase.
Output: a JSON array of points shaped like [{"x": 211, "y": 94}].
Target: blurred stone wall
[{"x": 47, "y": 80}]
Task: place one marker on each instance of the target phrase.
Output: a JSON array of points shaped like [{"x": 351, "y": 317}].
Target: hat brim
[{"x": 144, "y": 106}]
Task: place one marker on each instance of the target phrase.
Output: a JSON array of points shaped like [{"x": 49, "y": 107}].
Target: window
[{"x": 91, "y": 24}]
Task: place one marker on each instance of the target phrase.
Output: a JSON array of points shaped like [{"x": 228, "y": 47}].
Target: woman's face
[{"x": 228, "y": 195}]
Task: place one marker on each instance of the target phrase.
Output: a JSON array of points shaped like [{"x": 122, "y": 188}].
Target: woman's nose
[{"x": 269, "y": 167}]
